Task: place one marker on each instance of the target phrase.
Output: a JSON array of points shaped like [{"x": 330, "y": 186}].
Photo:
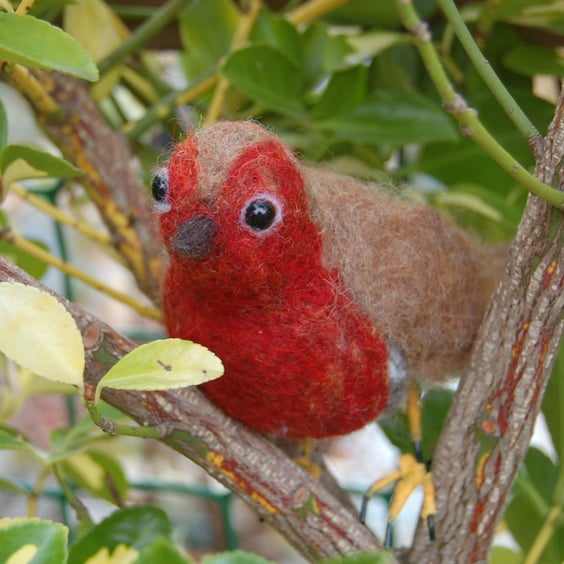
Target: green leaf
[
  {"x": 553, "y": 407},
  {"x": 135, "y": 527},
  {"x": 268, "y": 77},
  {"x": 324, "y": 53},
  {"x": 3, "y": 126},
  {"x": 206, "y": 44},
  {"x": 274, "y": 31},
  {"x": 235, "y": 557},
  {"x": 367, "y": 45},
  {"x": 392, "y": 118},
  {"x": 98, "y": 473},
  {"x": 38, "y": 44},
  {"x": 436, "y": 404},
  {"x": 344, "y": 92},
  {"x": 33, "y": 320},
  {"x": 25, "y": 540},
  {"x": 24, "y": 161},
  {"x": 162, "y": 365},
  {"x": 525, "y": 517},
  {"x": 32, "y": 265},
  {"x": 503, "y": 555},
  {"x": 531, "y": 60},
  {"x": 162, "y": 550},
  {"x": 542, "y": 473}
]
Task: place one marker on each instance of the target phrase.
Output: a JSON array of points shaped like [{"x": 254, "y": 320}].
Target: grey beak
[{"x": 194, "y": 238}]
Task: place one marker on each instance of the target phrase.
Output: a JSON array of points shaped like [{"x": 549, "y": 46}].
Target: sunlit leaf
[
  {"x": 162, "y": 365},
  {"x": 35, "y": 43},
  {"x": 163, "y": 550},
  {"x": 38, "y": 333}
]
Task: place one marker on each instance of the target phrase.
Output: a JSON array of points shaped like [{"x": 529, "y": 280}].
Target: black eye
[
  {"x": 260, "y": 214},
  {"x": 159, "y": 186}
]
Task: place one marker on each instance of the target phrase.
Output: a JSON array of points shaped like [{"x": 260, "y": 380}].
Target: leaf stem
[
  {"x": 24, "y": 7},
  {"x": 467, "y": 117},
  {"x": 112, "y": 428},
  {"x": 29, "y": 86},
  {"x": 37, "y": 489},
  {"x": 165, "y": 106},
  {"x": 543, "y": 538},
  {"x": 80, "y": 510},
  {"x": 34, "y": 250},
  {"x": 481, "y": 64},
  {"x": 312, "y": 10},
  {"x": 246, "y": 23},
  {"x": 58, "y": 215},
  {"x": 143, "y": 33}
]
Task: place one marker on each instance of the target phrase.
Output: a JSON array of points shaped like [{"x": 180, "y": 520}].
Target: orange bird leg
[{"x": 411, "y": 474}]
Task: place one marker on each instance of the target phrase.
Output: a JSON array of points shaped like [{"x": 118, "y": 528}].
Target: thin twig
[
  {"x": 467, "y": 117},
  {"x": 497, "y": 88},
  {"x": 36, "y": 251},
  {"x": 142, "y": 34}
]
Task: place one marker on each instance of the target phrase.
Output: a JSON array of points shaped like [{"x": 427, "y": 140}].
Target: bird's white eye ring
[{"x": 261, "y": 213}]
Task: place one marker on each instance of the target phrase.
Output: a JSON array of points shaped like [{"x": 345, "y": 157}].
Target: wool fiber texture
[{"x": 305, "y": 312}]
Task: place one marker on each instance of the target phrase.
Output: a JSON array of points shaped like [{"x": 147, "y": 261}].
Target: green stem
[
  {"x": 112, "y": 428},
  {"x": 142, "y": 34},
  {"x": 74, "y": 501},
  {"x": 484, "y": 69},
  {"x": 466, "y": 116},
  {"x": 543, "y": 538}
]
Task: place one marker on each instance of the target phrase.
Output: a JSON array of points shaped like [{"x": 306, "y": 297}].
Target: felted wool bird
[{"x": 322, "y": 295}]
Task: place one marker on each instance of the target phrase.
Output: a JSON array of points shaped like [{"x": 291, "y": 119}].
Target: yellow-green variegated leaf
[
  {"x": 162, "y": 365},
  {"x": 38, "y": 333}
]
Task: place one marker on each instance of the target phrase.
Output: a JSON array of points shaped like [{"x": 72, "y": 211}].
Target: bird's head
[{"x": 233, "y": 208}]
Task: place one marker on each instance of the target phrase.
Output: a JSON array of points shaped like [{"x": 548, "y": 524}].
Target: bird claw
[{"x": 411, "y": 474}]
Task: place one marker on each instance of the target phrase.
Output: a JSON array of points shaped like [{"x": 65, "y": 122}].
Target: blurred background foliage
[{"x": 345, "y": 87}]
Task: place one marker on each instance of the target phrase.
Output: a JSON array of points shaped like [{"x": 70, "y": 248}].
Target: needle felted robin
[{"x": 324, "y": 297}]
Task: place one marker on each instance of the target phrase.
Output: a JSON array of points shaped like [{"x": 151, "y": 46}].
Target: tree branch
[
  {"x": 490, "y": 424},
  {"x": 113, "y": 183},
  {"x": 286, "y": 496}
]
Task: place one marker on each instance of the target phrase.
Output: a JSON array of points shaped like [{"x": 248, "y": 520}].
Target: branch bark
[
  {"x": 111, "y": 178},
  {"x": 313, "y": 520},
  {"x": 490, "y": 424}
]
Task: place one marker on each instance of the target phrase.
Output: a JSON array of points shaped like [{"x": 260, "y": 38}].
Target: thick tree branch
[
  {"x": 489, "y": 427},
  {"x": 286, "y": 496},
  {"x": 111, "y": 179}
]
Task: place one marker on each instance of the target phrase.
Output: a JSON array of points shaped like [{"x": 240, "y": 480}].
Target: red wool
[{"x": 301, "y": 359}]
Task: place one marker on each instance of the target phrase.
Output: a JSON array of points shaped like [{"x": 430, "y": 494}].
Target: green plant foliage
[
  {"x": 206, "y": 44},
  {"x": 27, "y": 540},
  {"x": 24, "y": 161},
  {"x": 98, "y": 473},
  {"x": 436, "y": 404},
  {"x": 235, "y": 557},
  {"x": 19, "y": 43},
  {"x": 349, "y": 91},
  {"x": 162, "y": 365},
  {"x": 135, "y": 528}
]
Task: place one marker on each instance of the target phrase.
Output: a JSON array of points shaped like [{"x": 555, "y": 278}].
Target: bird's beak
[{"x": 194, "y": 238}]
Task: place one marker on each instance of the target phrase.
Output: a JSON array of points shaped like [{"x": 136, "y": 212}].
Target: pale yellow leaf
[{"x": 38, "y": 333}]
